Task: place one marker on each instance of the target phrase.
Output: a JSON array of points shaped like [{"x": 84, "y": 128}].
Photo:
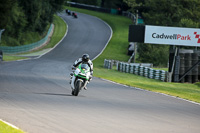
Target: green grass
[
  {"x": 165, "y": 69},
  {"x": 4, "y": 128},
  {"x": 198, "y": 84},
  {"x": 12, "y": 58},
  {"x": 117, "y": 49}
]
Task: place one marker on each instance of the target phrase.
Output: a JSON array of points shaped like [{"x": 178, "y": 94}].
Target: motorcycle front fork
[{"x": 86, "y": 82}]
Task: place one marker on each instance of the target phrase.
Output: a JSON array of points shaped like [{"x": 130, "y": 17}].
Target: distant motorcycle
[
  {"x": 74, "y": 15},
  {"x": 68, "y": 12},
  {"x": 79, "y": 78}
]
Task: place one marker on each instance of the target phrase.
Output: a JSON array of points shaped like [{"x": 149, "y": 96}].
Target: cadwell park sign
[
  {"x": 164, "y": 35},
  {"x": 172, "y": 35}
]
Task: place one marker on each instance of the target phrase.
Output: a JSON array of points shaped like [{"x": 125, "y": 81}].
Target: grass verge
[
  {"x": 12, "y": 58},
  {"x": 117, "y": 49},
  {"x": 4, "y": 128}
]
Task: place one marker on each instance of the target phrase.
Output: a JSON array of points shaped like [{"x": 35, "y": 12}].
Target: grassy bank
[
  {"x": 59, "y": 31},
  {"x": 117, "y": 49}
]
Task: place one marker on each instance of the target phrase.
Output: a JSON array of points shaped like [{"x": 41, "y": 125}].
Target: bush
[{"x": 153, "y": 53}]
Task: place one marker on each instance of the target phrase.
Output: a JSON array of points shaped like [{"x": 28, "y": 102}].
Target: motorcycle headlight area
[{"x": 77, "y": 72}]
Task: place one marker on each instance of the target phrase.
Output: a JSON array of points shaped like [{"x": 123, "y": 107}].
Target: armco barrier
[
  {"x": 28, "y": 47},
  {"x": 142, "y": 69}
]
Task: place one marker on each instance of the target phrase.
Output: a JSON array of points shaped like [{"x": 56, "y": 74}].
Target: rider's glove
[{"x": 73, "y": 67}]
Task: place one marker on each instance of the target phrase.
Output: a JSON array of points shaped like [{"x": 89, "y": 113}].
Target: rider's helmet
[{"x": 85, "y": 58}]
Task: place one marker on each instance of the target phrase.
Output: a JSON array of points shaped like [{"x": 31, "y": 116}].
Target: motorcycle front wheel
[{"x": 77, "y": 89}]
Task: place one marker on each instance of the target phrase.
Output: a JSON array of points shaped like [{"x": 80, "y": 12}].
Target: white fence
[{"x": 142, "y": 69}]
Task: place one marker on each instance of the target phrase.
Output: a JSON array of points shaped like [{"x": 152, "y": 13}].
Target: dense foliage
[
  {"x": 174, "y": 13},
  {"x": 22, "y": 18},
  {"x": 181, "y": 13}
]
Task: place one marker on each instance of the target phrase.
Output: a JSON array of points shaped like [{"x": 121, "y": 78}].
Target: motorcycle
[
  {"x": 68, "y": 12},
  {"x": 79, "y": 78},
  {"x": 74, "y": 15}
]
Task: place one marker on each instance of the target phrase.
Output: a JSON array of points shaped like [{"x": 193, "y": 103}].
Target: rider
[
  {"x": 86, "y": 60},
  {"x": 1, "y": 55}
]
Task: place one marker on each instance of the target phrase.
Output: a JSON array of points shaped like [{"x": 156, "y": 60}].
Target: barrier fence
[
  {"x": 28, "y": 47},
  {"x": 142, "y": 69}
]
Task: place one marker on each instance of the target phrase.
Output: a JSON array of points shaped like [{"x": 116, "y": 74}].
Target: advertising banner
[{"x": 172, "y": 35}]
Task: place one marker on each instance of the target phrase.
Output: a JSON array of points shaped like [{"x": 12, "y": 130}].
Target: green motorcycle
[{"x": 79, "y": 78}]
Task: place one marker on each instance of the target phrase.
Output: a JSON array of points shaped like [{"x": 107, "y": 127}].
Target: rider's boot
[{"x": 72, "y": 82}]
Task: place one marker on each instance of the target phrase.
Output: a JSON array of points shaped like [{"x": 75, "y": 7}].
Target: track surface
[{"x": 36, "y": 97}]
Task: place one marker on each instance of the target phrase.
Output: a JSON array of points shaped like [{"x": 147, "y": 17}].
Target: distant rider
[
  {"x": 85, "y": 60},
  {"x": 1, "y": 55}
]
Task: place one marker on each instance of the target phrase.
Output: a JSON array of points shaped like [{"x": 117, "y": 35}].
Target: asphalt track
[{"x": 36, "y": 97}]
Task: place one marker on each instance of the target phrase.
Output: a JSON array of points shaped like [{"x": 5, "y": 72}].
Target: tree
[
  {"x": 33, "y": 10},
  {"x": 19, "y": 17},
  {"x": 12, "y": 18},
  {"x": 170, "y": 13},
  {"x": 153, "y": 53},
  {"x": 5, "y": 10}
]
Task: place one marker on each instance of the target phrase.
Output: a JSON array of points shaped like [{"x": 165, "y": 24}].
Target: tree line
[{"x": 21, "y": 17}]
